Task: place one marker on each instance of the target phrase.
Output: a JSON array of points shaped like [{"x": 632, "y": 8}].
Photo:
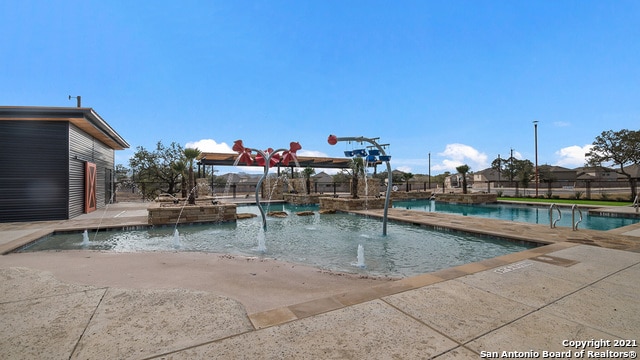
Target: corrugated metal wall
[
  {"x": 83, "y": 147},
  {"x": 34, "y": 168}
]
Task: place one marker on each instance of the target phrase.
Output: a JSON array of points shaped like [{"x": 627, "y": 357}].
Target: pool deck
[{"x": 582, "y": 285}]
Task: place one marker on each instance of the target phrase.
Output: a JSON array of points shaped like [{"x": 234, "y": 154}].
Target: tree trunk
[
  {"x": 354, "y": 187},
  {"x": 192, "y": 195},
  {"x": 632, "y": 185}
]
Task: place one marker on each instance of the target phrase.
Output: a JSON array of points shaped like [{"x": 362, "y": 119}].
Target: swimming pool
[
  {"x": 328, "y": 241},
  {"x": 515, "y": 212}
]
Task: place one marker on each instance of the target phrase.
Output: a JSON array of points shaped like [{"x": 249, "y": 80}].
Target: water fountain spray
[
  {"x": 332, "y": 140},
  {"x": 267, "y": 159}
]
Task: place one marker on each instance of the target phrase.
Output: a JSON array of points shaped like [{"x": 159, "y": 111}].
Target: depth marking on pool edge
[{"x": 512, "y": 267}]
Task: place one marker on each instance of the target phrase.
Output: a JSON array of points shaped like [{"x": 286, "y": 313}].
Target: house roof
[
  {"x": 84, "y": 118},
  {"x": 227, "y": 159}
]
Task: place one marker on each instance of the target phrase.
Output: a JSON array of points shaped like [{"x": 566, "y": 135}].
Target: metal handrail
[
  {"x": 635, "y": 203},
  {"x": 552, "y": 223},
  {"x": 575, "y": 223}
]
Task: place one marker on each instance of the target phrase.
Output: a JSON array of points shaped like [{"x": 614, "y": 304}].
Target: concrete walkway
[{"x": 563, "y": 297}]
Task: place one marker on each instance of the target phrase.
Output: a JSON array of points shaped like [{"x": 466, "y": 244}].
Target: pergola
[{"x": 227, "y": 159}]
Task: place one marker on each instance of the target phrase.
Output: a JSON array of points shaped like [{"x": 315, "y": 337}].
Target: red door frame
[{"x": 90, "y": 181}]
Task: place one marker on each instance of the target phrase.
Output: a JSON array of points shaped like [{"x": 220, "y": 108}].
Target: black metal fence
[{"x": 605, "y": 190}]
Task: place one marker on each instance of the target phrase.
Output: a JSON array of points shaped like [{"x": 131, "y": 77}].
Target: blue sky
[{"x": 461, "y": 80}]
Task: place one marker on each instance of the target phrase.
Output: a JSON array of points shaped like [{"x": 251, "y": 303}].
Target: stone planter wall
[
  {"x": 302, "y": 199},
  {"x": 299, "y": 185},
  {"x": 370, "y": 188},
  {"x": 272, "y": 188},
  {"x": 163, "y": 214},
  {"x": 467, "y": 198},
  {"x": 417, "y": 195},
  {"x": 344, "y": 204},
  {"x": 166, "y": 199}
]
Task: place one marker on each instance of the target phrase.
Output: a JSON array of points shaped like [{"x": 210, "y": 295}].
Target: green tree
[
  {"x": 153, "y": 171},
  {"x": 405, "y": 178},
  {"x": 509, "y": 167},
  {"x": 524, "y": 171},
  {"x": 122, "y": 173},
  {"x": 620, "y": 148},
  {"x": 441, "y": 178},
  {"x": 463, "y": 170},
  {"x": 190, "y": 155},
  {"x": 498, "y": 165},
  {"x": 180, "y": 167}
]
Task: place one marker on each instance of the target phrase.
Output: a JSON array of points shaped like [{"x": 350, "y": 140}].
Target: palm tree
[
  {"x": 357, "y": 167},
  {"x": 307, "y": 172},
  {"x": 191, "y": 154},
  {"x": 463, "y": 169},
  {"x": 406, "y": 177}
]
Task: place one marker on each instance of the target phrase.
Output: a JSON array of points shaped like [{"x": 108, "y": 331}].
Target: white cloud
[
  {"x": 561, "y": 124},
  {"x": 210, "y": 145},
  {"x": 460, "y": 154},
  {"x": 311, "y": 153},
  {"x": 517, "y": 155},
  {"x": 406, "y": 169},
  {"x": 572, "y": 156}
]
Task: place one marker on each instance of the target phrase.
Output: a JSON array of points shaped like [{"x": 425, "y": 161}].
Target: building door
[{"x": 90, "y": 180}]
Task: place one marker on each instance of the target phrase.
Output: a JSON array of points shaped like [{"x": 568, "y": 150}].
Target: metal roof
[{"x": 85, "y": 118}]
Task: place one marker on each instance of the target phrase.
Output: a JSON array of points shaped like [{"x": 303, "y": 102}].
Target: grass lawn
[{"x": 569, "y": 201}]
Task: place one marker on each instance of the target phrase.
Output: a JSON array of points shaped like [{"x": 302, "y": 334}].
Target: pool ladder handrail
[
  {"x": 636, "y": 205},
  {"x": 575, "y": 223},
  {"x": 552, "y": 223}
]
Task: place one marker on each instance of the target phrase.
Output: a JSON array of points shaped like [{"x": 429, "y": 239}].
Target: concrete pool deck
[{"x": 581, "y": 286}]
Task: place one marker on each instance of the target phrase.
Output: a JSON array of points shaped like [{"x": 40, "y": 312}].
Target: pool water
[
  {"x": 328, "y": 241},
  {"x": 514, "y": 212}
]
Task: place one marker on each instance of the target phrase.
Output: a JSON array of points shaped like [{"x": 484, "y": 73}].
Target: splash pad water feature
[
  {"x": 326, "y": 241},
  {"x": 267, "y": 159},
  {"x": 371, "y": 156}
]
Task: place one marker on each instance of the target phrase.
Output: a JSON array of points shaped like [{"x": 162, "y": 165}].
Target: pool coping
[{"x": 319, "y": 306}]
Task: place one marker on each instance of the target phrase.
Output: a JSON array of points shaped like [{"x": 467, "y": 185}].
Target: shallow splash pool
[
  {"x": 515, "y": 212},
  {"x": 328, "y": 241}
]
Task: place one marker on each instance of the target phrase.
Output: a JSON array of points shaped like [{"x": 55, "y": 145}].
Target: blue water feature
[
  {"x": 327, "y": 241},
  {"x": 515, "y": 212}
]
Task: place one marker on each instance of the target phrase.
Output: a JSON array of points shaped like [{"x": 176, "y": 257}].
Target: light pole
[
  {"x": 535, "y": 130},
  {"x": 499, "y": 169}
]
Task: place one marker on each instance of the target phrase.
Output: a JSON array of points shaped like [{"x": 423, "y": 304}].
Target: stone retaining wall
[
  {"x": 369, "y": 188},
  {"x": 467, "y": 198},
  {"x": 417, "y": 195},
  {"x": 302, "y": 199},
  {"x": 162, "y": 214},
  {"x": 345, "y": 204}
]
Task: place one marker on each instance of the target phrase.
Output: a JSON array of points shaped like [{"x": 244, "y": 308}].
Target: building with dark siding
[{"x": 55, "y": 162}]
